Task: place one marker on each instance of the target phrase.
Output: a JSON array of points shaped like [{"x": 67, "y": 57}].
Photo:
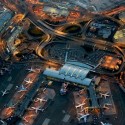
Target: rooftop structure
[
  {"x": 55, "y": 11},
  {"x": 111, "y": 63},
  {"x": 10, "y": 41},
  {"x": 71, "y": 73},
  {"x": 119, "y": 37},
  {"x": 62, "y": 61},
  {"x": 4, "y": 19},
  {"x": 102, "y": 28}
]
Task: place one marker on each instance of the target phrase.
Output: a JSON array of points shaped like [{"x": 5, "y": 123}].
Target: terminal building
[
  {"x": 72, "y": 73},
  {"x": 82, "y": 75},
  {"x": 78, "y": 74}
]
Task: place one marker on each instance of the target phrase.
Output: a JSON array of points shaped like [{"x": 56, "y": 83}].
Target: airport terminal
[{"x": 62, "y": 62}]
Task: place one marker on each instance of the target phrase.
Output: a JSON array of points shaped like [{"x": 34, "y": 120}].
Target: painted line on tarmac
[{"x": 46, "y": 121}]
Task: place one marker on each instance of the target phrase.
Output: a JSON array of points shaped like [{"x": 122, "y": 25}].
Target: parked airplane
[
  {"x": 31, "y": 70},
  {"x": 6, "y": 69},
  {"x": 24, "y": 118},
  {"x": 22, "y": 88},
  {"x": 4, "y": 92},
  {"x": 1, "y": 121},
  {"x": 106, "y": 106},
  {"x": 102, "y": 123},
  {"x": 28, "y": 116},
  {"x": 44, "y": 90},
  {"x": 40, "y": 99},
  {"x": 105, "y": 95},
  {"x": 83, "y": 116},
  {"x": 36, "y": 109},
  {"x": 34, "y": 70},
  {"x": 1, "y": 72},
  {"x": 81, "y": 105},
  {"x": 29, "y": 81}
]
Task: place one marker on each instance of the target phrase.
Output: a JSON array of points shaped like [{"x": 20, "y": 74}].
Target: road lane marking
[
  {"x": 46, "y": 121},
  {"x": 66, "y": 118},
  {"x": 9, "y": 87},
  {"x": 9, "y": 79}
]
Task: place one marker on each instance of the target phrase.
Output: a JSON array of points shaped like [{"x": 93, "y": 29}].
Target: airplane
[
  {"x": 102, "y": 123},
  {"x": 34, "y": 70},
  {"x": 44, "y": 90},
  {"x": 31, "y": 70},
  {"x": 28, "y": 81},
  {"x": 36, "y": 109},
  {"x": 105, "y": 95},
  {"x": 81, "y": 105},
  {"x": 2, "y": 121},
  {"x": 24, "y": 118},
  {"x": 106, "y": 106},
  {"x": 1, "y": 72},
  {"x": 4, "y": 92},
  {"x": 22, "y": 88},
  {"x": 40, "y": 99},
  {"x": 6, "y": 69},
  {"x": 83, "y": 116}
]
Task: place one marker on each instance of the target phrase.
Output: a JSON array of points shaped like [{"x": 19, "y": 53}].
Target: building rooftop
[
  {"x": 120, "y": 36},
  {"x": 70, "y": 73},
  {"x": 4, "y": 18},
  {"x": 55, "y": 11}
]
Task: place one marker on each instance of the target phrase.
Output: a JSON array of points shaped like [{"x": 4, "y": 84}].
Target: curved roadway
[{"x": 82, "y": 41}]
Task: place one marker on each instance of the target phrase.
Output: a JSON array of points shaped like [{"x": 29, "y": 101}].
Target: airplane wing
[
  {"x": 102, "y": 123},
  {"x": 3, "y": 93},
  {"x": 22, "y": 88},
  {"x": 85, "y": 119}
]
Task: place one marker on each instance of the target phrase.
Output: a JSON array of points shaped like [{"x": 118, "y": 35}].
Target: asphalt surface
[
  {"x": 119, "y": 100},
  {"x": 58, "y": 108},
  {"x": 17, "y": 75}
]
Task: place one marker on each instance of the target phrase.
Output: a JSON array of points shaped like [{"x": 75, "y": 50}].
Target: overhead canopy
[
  {"x": 74, "y": 71},
  {"x": 70, "y": 73}
]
